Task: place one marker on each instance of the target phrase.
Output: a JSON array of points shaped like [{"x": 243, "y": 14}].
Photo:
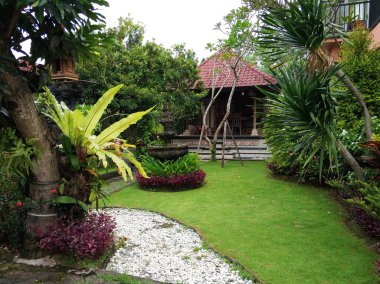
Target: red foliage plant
[
  {"x": 179, "y": 181},
  {"x": 88, "y": 238}
]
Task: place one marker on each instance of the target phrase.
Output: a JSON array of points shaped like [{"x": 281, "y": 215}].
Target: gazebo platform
[{"x": 250, "y": 147}]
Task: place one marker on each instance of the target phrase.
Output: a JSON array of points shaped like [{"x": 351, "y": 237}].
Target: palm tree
[
  {"x": 300, "y": 29},
  {"x": 302, "y": 26},
  {"x": 304, "y": 105}
]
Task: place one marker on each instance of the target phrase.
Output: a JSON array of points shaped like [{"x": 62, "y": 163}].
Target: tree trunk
[
  {"x": 350, "y": 161},
  {"x": 205, "y": 126},
  {"x": 19, "y": 101},
  {"x": 367, "y": 118}
]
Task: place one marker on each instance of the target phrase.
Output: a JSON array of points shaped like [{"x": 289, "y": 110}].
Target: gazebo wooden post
[
  {"x": 224, "y": 141},
  {"x": 254, "y": 129}
]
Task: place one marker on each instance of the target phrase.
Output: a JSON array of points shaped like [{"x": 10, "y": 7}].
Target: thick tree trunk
[
  {"x": 350, "y": 161},
  {"x": 19, "y": 101}
]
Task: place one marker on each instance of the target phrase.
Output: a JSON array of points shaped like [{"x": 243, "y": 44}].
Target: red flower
[
  {"x": 53, "y": 190},
  {"x": 19, "y": 203}
]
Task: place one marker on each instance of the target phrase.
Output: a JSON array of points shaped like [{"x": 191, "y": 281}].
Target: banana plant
[{"x": 78, "y": 129}]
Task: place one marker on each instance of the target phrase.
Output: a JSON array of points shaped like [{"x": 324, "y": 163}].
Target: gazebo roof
[{"x": 249, "y": 76}]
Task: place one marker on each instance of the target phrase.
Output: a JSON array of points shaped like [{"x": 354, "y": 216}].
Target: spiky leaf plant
[{"x": 304, "y": 106}]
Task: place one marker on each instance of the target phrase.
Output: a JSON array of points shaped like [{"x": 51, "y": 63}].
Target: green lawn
[{"x": 282, "y": 231}]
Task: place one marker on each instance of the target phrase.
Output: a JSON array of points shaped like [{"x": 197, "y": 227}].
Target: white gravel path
[{"x": 166, "y": 251}]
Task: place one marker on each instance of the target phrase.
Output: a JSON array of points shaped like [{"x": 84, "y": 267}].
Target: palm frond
[
  {"x": 304, "y": 107},
  {"x": 299, "y": 26}
]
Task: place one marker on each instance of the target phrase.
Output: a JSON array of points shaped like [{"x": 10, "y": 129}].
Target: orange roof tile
[{"x": 249, "y": 75}]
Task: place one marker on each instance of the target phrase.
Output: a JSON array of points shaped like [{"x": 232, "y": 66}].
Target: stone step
[
  {"x": 236, "y": 157},
  {"x": 249, "y": 149}
]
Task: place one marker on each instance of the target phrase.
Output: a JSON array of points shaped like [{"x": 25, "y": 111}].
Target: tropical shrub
[
  {"x": 15, "y": 163},
  {"x": 362, "y": 199},
  {"x": 361, "y": 62},
  {"x": 15, "y": 154},
  {"x": 354, "y": 136},
  {"x": 83, "y": 149},
  {"x": 367, "y": 197},
  {"x": 152, "y": 75},
  {"x": 301, "y": 121},
  {"x": 181, "y": 173},
  {"x": 13, "y": 208},
  {"x": 183, "y": 165},
  {"x": 87, "y": 238}
]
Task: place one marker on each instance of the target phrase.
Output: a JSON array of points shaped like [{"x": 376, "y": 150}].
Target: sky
[{"x": 171, "y": 22}]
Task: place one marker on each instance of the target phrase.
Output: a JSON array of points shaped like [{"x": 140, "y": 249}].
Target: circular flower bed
[{"x": 174, "y": 182}]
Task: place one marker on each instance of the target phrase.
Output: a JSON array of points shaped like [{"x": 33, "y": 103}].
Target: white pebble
[{"x": 163, "y": 250}]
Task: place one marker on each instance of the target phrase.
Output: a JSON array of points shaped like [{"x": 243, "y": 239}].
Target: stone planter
[{"x": 168, "y": 152}]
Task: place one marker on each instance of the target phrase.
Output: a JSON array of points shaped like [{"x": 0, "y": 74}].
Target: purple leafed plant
[
  {"x": 179, "y": 181},
  {"x": 370, "y": 225},
  {"x": 87, "y": 238}
]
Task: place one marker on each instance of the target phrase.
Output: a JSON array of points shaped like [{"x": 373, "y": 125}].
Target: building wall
[{"x": 376, "y": 35}]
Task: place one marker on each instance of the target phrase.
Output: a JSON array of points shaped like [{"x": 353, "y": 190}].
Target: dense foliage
[
  {"x": 15, "y": 163},
  {"x": 302, "y": 117},
  {"x": 152, "y": 75},
  {"x": 183, "y": 165},
  {"x": 83, "y": 149},
  {"x": 88, "y": 238},
  {"x": 361, "y": 62},
  {"x": 15, "y": 154},
  {"x": 12, "y": 209},
  {"x": 42, "y": 30},
  {"x": 180, "y": 173}
]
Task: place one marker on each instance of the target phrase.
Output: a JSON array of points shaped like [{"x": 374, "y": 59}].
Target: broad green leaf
[
  {"x": 136, "y": 164},
  {"x": 70, "y": 200},
  {"x": 74, "y": 162},
  {"x": 92, "y": 196},
  {"x": 93, "y": 116},
  {"x": 83, "y": 205},
  {"x": 61, "y": 188},
  {"x": 65, "y": 200},
  {"x": 114, "y": 130},
  {"x": 66, "y": 144},
  {"x": 121, "y": 165}
]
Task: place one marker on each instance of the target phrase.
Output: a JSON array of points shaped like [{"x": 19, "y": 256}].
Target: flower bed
[
  {"x": 88, "y": 238},
  {"x": 175, "y": 182}
]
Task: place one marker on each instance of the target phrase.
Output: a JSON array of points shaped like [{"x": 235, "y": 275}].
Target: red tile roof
[{"x": 249, "y": 75}]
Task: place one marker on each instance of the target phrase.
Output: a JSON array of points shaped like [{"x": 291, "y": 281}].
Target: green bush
[
  {"x": 15, "y": 163},
  {"x": 184, "y": 165},
  {"x": 362, "y": 65},
  {"x": 15, "y": 154},
  {"x": 367, "y": 197},
  {"x": 353, "y": 136},
  {"x": 13, "y": 207}
]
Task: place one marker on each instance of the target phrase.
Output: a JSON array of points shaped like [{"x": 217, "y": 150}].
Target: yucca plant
[
  {"x": 304, "y": 106},
  {"x": 301, "y": 27}
]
